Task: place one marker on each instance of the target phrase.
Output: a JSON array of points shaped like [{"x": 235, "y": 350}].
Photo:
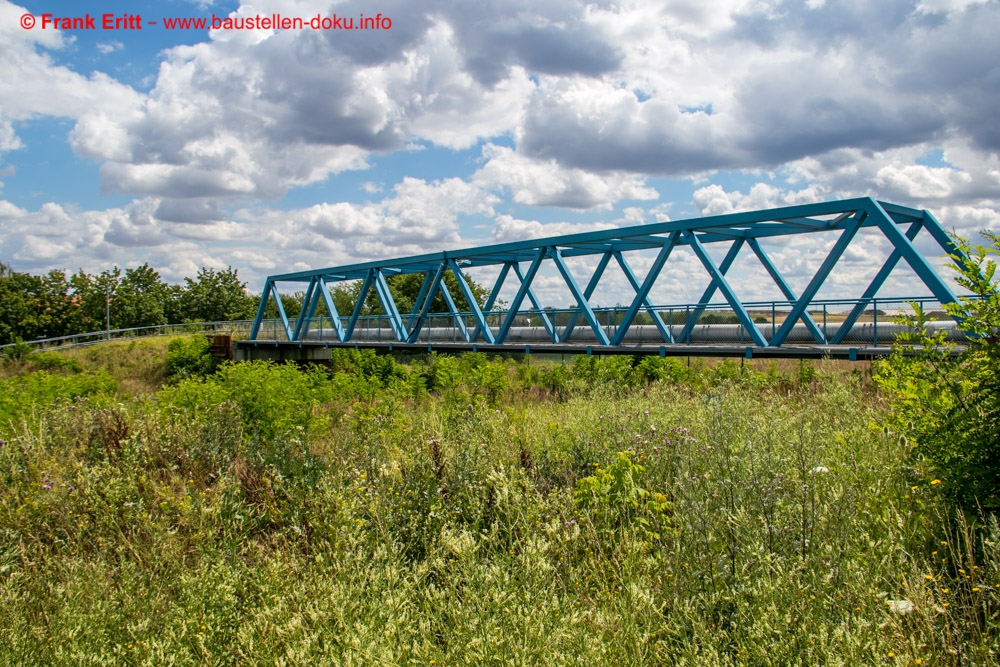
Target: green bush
[
  {"x": 190, "y": 357},
  {"x": 949, "y": 406}
]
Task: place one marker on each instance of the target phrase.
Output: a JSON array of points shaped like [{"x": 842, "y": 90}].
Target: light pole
[{"x": 107, "y": 305}]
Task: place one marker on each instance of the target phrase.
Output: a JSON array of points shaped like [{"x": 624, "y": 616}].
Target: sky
[{"x": 450, "y": 124}]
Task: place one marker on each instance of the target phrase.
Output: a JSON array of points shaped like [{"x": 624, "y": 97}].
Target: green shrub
[
  {"x": 190, "y": 357},
  {"x": 949, "y": 406}
]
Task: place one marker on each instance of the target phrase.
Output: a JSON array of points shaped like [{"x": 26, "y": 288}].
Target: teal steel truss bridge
[{"x": 520, "y": 262}]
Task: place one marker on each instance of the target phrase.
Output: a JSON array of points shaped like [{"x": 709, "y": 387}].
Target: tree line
[{"x": 53, "y": 305}]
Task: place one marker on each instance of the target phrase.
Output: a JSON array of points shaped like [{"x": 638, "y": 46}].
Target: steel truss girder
[{"x": 737, "y": 230}]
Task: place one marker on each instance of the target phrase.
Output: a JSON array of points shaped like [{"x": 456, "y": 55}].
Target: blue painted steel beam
[
  {"x": 874, "y": 286},
  {"x": 729, "y": 220},
  {"x": 786, "y": 290},
  {"x": 549, "y": 328},
  {"x": 425, "y": 307},
  {"x": 307, "y": 302},
  {"x": 359, "y": 305},
  {"x": 515, "y": 305},
  {"x": 450, "y": 302},
  {"x": 281, "y": 311},
  {"x": 481, "y": 324},
  {"x": 664, "y": 331},
  {"x": 581, "y": 302},
  {"x": 831, "y": 260},
  {"x": 647, "y": 284},
  {"x": 389, "y": 306},
  {"x": 727, "y": 291},
  {"x": 494, "y": 295},
  {"x": 916, "y": 261},
  {"x": 261, "y": 308},
  {"x": 706, "y": 297},
  {"x": 331, "y": 309},
  {"x": 587, "y": 293},
  {"x": 418, "y": 302}
]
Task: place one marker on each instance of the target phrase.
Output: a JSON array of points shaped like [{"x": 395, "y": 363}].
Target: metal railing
[
  {"x": 94, "y": 337},
  {"x": 870, "y": 323}
]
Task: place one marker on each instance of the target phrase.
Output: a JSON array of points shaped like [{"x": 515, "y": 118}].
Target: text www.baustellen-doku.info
[{"x": 254, "y": 22}]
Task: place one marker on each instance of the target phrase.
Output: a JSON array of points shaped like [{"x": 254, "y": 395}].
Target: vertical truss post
[
  {"x": 643, "y": 292},
  {"x": 916, "y": 261},
  {"x": 727, "y": 262},
  {"x": 481, "y": 323},
  {"x": 873, "y": 287},
  {"x": 425, "y": 307},
  {"x": 331, "y": 309},
  {"x": 549, "y": 329},
  {"x": 491, "y": 300},
  {"x": 389, "y": 306},
  {"x": 587, "y": 293},
  {"x": 307, "y": 303},
  {"x": 359, "y": 304},
  {"x": 776, "y": 276},
  {"x": 581, "y": 301},
  {"x": 519, "y": 297},
  {"x": 851, "y": 227},
  {"x": 261, "y": 308},
  {"x": 657, "y": 320},
  {"x": 727, "y": 291}
]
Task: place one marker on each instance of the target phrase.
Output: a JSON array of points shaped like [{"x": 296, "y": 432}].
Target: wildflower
[
  {"x": 891, "y": 654},
  {"x": 935, "y": 482},
  {"x": 944, "y": 590},
  {"x": 900, "y": 606},
  {"x": 928, "y": 577},
  {"x": 975, "y": 589},
  {"x": 818, "y": 470}
]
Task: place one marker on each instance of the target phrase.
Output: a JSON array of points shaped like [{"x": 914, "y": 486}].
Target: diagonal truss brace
[
  {"x": 786, "y": 290},
  {"x": 798, "y": 309},
  {"x": 587, "y": 293},
  {"x": 657, "y": 320},
  {"x": 642, "y": 294},
  {"x": 470, "y": 299},
  {"x": 581, "y": 302},
  {"x": 546, "y": 322},
  {"x": 709, "y": 292},
  {"x": 727, "y": 291}
]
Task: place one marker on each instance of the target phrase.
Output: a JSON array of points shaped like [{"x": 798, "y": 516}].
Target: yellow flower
[
  {"x": 944, "y": 604},
  {"x": 928, "y": 577},
  {"x": 891, "y": 654},
  {"x": 936, "y": 481},
  {"x": 944, "y": 590},
  {"x": 975, "y": 589}
]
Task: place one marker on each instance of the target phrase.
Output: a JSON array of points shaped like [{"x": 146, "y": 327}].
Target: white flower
[
  {"x": 901, "y": 606},
  {"x": 818, "y": 470}
]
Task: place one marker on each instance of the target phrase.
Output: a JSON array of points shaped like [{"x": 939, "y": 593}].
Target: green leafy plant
[
  {"x": 615, "y": 496},
  {"x": 948, "y": 404}
]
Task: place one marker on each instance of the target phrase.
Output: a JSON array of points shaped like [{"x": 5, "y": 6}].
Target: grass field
[{"x": 467, "y": 511}]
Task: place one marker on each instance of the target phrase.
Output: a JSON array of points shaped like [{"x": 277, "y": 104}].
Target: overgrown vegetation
[
  {"x": 948, "y": 405},
  {"x": 465, "y": 510}
]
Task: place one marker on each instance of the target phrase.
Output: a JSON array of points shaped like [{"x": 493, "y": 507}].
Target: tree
[
  {"x": 216, "y": 297},
  {"x": 33, "y": 307},
  {"x": 949, "y": 406}
]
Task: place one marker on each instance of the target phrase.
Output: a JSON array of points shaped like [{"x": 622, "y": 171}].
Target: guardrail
[{"x": 94, "y": 337}]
